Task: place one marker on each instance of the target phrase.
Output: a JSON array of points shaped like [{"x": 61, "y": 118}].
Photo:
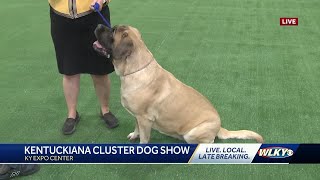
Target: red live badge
[{"x": 288, "y": 21}]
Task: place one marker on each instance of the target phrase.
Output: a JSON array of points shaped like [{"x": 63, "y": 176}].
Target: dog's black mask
[
  {"x": 115, "y": 41},
  {"x": 104, "y": 42}
]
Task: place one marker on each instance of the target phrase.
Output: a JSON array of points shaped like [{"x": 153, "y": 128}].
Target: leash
[{"x": 96, "y": 8}]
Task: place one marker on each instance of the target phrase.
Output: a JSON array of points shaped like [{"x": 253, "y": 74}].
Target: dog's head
[{"x": 119, "y": 40}]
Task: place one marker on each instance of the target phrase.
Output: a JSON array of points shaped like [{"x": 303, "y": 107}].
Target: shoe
[
  {"x": 69, "y": 125},
  {"x": 15, "y": 170},
  {"x": 110, "y": 120}
]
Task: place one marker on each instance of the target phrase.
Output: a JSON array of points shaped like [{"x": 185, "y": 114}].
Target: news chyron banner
[{"x": 159, "y": 153}]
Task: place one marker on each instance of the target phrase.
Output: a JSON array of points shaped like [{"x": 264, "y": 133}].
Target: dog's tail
[{"x": 241, "y": 134}]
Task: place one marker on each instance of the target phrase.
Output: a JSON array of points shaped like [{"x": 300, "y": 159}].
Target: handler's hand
[{"x": 100, "y": 2}]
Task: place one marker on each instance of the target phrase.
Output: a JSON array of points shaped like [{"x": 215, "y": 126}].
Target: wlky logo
[{"x": 275, "y": 152}]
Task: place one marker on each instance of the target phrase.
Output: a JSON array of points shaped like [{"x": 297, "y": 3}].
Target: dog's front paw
[{"x": 133, "y": 136}]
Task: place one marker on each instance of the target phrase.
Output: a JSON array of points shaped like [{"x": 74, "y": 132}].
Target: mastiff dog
[{"x": 155, "y": 97}]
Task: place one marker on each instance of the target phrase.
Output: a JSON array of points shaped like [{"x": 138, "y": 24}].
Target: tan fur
[{"x": 160, "y": 101}]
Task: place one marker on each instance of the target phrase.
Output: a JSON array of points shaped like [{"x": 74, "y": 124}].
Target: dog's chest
[
  {"x": 125, "y": 101},
  {"x": 137, "y": 102},
  {"x": 130, "y": 103}
]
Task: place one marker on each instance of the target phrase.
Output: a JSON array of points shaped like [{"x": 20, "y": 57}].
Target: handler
[{"x": 72, "y": 29}]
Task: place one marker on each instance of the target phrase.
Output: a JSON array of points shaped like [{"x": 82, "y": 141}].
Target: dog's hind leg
[{"x": 203, "y": 133}]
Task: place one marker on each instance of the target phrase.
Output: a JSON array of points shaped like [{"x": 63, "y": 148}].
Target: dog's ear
[{"x": 124, "y": 48}]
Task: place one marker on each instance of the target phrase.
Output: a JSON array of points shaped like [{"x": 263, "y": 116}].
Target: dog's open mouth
[{"x": 100, "y": 49}]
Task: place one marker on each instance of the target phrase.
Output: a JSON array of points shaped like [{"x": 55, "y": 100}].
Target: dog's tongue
[{"x": 97, "y": 44}]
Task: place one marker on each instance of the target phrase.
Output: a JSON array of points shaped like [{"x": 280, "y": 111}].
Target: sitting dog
[{"x": 155, "y": 97}]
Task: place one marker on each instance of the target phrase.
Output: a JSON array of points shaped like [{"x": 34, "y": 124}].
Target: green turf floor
[{"x": 259, "y": 76}]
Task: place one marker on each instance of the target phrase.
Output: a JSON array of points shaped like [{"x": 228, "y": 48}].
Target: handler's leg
[
  {"x": 102, "y": 86},
  {"x": 71, "y": 86}
]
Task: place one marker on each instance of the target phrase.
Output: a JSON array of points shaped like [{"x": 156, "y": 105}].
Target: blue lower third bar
[
  {"x": 96, "y": 153},
  {"x": 159, "y": 153}
]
